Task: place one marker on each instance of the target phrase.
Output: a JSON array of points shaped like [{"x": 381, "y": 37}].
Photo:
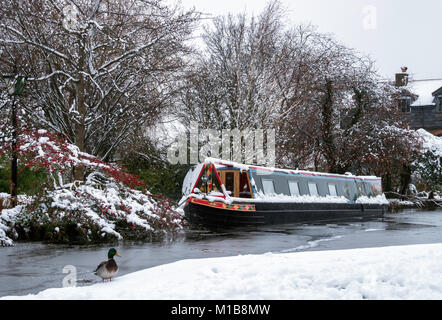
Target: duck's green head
[{"x": 112, "y": 252}]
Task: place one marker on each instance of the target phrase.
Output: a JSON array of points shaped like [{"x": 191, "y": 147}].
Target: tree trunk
[
  {"x": 329, "y": 147},
  {"x": 405, "y": 178},
  {"x": 386, "y": 181},
  {"x": 80, "y": 126}
]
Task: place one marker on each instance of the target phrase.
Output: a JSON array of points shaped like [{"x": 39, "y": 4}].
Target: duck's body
[{"x": 108, "y": 269}]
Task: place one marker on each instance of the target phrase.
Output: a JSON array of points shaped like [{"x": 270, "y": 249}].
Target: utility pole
[
  {"x": 14, "y": 166},
  {"x": 16, "y": 84}
]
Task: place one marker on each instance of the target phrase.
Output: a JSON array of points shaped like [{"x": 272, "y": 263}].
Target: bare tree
[{"x": 230, "y": 85}]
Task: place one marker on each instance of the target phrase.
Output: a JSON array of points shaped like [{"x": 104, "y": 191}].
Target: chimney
[{"x": 402, "y": 78}]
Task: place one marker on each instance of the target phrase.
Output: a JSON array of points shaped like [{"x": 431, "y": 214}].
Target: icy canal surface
[{"x": 397, "y": 257}]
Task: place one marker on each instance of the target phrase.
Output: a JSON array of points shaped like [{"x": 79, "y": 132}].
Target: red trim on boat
[
  {"x": 225, "y": 206},
  {"x": 199, "y": 177}
]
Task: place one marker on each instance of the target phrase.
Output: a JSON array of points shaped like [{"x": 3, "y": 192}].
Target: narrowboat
[{"x": 220, "y": 193}]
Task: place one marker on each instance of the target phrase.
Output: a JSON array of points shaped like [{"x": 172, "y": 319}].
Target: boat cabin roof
[
  {"x": 230, "y": 165},
  {"x": 215, "y": 178}
]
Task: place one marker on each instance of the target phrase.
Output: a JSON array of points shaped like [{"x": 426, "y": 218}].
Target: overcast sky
[{"x": 393, "y": 32}]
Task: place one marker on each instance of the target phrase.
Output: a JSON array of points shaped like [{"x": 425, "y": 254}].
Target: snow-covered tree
[
  {"x": 97, "y": 70},
  {"x": 4, "y": 113},
  {"x": 111, "y": 204},
  {"x": 328, "y": 105},
  {"x": 335, "y": 101},
  {"x": 231, "y": 84}
]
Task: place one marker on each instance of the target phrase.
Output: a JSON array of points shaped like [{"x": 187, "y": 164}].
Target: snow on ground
[
  {"x": 7, "y": 217},
  {"x": 406, "y": 272},
  {"x": 402, "y": 202}
]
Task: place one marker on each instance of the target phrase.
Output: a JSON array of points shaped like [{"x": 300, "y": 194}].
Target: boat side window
[
  {"x": 269, "y": 186},
  {"x": 244, "y": 186},
  {"x": 229, "y": 183},
  {"x": 360, "y": 188},
  {"x": 313, "y": 188},
  {"x": 376, "y": 188},
  {"x": 332, "y": 190},
  {"x": 347, "y": 191},
  {"x": 368, "y": 190},
  {"x": 294, "y": 188}
]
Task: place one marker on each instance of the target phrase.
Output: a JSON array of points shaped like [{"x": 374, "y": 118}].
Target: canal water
[{"x": 32, "y": 267}]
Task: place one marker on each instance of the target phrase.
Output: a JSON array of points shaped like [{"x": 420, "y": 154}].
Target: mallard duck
[{"x": 108, "y": 269}]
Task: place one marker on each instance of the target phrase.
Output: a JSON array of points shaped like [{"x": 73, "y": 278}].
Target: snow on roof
[{"x": 424, "y": 89}]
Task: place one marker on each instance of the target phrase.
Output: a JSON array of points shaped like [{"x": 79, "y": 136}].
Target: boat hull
[{"x": 277, "y": 213}]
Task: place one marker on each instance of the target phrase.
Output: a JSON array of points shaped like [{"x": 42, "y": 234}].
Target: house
[{"x": 421, "y": 102}]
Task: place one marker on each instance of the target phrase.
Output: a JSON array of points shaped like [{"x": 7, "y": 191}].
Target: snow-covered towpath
[{"x": 405, "y": 272}]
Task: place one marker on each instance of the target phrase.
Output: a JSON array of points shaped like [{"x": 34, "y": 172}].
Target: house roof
[{"x": 424, "y": 89}]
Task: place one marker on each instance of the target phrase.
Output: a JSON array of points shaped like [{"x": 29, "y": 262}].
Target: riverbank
[
  {"x": 414, "y": 202},
  {"x": 400, "y": 272}
]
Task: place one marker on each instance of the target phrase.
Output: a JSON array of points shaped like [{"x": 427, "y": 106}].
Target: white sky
[{"x": 403, "y": 33}]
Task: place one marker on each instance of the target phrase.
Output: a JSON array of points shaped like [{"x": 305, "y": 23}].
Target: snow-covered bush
[
  {"x": 101, "y": 209},
  {"x": 110, "y": 205},
  {"x": 7, "y": 215}
]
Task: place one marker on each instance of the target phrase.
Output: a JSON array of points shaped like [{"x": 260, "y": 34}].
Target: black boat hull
[{"x": 279, "y": 213}]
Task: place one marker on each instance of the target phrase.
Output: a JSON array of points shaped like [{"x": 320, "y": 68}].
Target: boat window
[
  {"x": 269, "y": 187},
  {"x": 347, "y": 191},
  {"x": 332, "y": 190},
  {"x": 313, "y": 188},
  {"x": 376, "y": 188},
  {"x": 360, "y": 189},
  {"x": 244, "y": 187},
  {"x": 229, "y": 183},
  {"x": 237, "y": 183},
  {"x": 294, "y": 188},
  {"x": 368, "y": 189}
]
